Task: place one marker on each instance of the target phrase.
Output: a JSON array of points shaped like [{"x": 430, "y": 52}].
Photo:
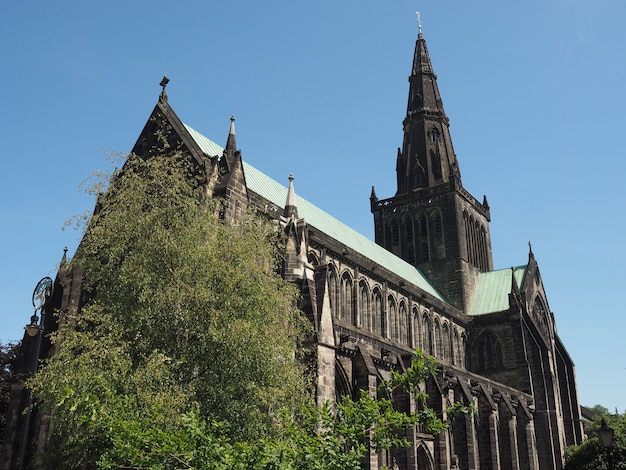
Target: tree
[
  {"x": 8, "y": 356},
  {"x": 186, "y": 314},
  {"x": 186, "y": 352},
  {"x": 590, "y": 455}
]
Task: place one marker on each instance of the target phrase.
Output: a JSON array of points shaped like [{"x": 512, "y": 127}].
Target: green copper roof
[
  {"x": 492, "y": 290},
  {"x": 208, "y": 146},
  {"x": 275, "y": 192}
]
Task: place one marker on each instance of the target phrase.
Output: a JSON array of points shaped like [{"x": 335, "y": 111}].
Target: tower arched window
[
  {"x": 410, "y": 240},
  {"x": 433, "y": 135},
  {"x": 484, "y": 257},
  {"x": 395, "y": 234},
  {"x": 423, "y": 239},
  {"x": 438, "y": 235}
]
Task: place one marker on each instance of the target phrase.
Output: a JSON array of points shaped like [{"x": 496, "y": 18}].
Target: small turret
[
  {"x": 231, "y": 142},
  {"x": 291, "y": 210}
]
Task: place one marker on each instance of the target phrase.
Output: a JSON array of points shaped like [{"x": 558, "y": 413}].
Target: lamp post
[
  {"x": 41, "y": 296},
  {"x": 606, "y": 433}
]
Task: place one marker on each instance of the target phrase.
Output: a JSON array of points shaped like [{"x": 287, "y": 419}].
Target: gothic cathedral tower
[{"x": 432, "y": 222}]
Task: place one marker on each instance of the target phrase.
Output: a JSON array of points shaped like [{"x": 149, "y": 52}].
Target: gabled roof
[
  {"x": 491, "y": 293},
  {"x": 269, "y": 189}
]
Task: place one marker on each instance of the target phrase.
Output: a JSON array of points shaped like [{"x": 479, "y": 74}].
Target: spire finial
[
  {"x": 232, "y": 124},
  {"x": 419, "y": 22},
  {"x": 163, "y": 84}
]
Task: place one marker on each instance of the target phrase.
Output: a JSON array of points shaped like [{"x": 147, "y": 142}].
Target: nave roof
[{"x": 271, "y": 190}]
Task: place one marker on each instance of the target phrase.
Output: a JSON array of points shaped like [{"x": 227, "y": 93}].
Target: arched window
[
  {"x": 403, "y": 324},
  {"x": 346, "y": 298},
  {"x": 427, "y": 341},
  {"x": 313, "y": 259},
  {"x": 462, "y": 348},
  {"x": 487, "y": 352},
  {"x": 417, "y": 330},
  {"x": 333, "y": 292},
  {"x": 395, "y": 237},
  {"x": 392, "y": 315},
  {"x": 433, "y": 135},
  {"x": 455, "y": 347},
  {"x": 364, "y": 301},
  {"x": 422, "y": 237},
  {"x": 540, "y": 315},
  {"x": 438, "y": 340},
  {"x": 410, "y": 240},
  {"x": 446, "y": 343},
  {"x": 438, "y": 240},
  {"x": 378, "y": 325}
]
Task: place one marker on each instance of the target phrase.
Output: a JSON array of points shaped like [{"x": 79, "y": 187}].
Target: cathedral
[{"x": 427, "y": 282}]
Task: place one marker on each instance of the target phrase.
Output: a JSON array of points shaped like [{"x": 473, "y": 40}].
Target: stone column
[
  {"x": 512, "y": 427},
  {"x": 494, "y": 440},
  {"x": 473, "y": 455},
  {"x": 531, "y": 445}
]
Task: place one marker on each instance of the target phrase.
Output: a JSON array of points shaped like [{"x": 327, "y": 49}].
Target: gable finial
[
  {"x": 419, "y": 22},
  {"x": 530, "y": 248},
  {"x": 164, "y": 82}
]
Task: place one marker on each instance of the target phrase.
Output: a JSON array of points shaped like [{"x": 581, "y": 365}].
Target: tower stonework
[{"x": 432, "y": 222}]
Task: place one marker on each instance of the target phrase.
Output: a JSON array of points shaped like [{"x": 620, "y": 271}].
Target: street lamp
[
  {"x": 41, "y": 296},
  {"x": 606, "y": 434}
]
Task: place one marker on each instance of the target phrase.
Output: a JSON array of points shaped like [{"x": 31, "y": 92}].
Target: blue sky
[{"x": 534, "y": 92}]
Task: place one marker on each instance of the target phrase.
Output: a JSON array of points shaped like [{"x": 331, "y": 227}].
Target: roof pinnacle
[
  {"x": 164, "y": 82},
  {"x": 231, "y": 144},
  {"x": 291, "y": 210},
  {"x": 64, "y": 258}
]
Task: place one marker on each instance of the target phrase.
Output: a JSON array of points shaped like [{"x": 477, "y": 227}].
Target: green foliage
[
  {"x": 185, "y": 313},
  {"x": 8, "y": 358},
  {"x": 590, "y": 455}
]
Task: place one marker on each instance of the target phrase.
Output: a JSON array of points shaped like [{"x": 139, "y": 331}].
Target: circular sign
[{"x": 42, "y": 293}]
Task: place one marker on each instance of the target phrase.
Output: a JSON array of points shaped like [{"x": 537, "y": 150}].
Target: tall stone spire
[
  {"x": 432, "y": 222},
  {"x": 427, "y": 157}
]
